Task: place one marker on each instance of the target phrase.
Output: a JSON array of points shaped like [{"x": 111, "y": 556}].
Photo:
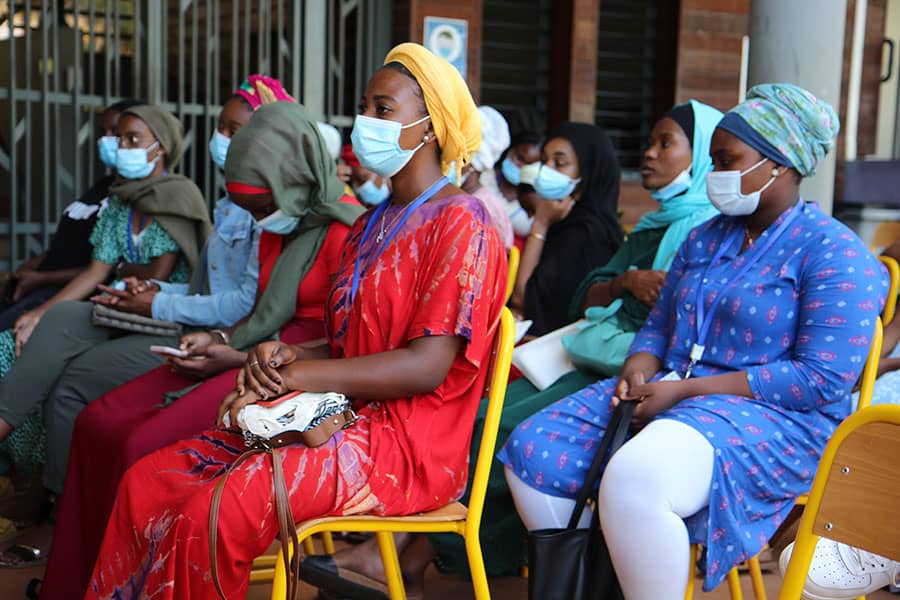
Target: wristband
[
  {"x": 225, "y": 337},
  {"x": 539, "y": 236}
]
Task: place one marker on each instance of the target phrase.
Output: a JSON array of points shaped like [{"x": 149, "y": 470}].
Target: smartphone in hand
[{"x": 169, "y": 351}]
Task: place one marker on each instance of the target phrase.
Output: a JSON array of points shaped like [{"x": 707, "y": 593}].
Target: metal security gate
[{"x": 62, "y": 61}]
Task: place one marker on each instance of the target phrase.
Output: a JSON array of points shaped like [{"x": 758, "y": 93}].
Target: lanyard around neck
[
  {"x": 433, "y": 189},
  {"x": 134, "y": 257},
  {"x": 705, "y": 320}
]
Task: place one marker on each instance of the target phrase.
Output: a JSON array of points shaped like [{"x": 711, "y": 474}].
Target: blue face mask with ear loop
[
  {"x": 681, "y": 183},
  {"x": 376, "y": 143},
  {"x": 218, "y": 148},
  {"x": 510, "y": 171},
  {"x": 553, "y": 185},
  {"x": 107, "y": 146},
  {"x": 451, "y": 175},
  {"x": 132, "y": 163},
  {"x": 373, "y": 195}
]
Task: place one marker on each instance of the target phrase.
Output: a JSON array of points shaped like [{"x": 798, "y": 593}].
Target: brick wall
[{"x": 709, "y": 50}]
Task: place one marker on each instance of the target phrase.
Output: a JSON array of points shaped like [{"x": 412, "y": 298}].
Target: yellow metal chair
[
  {"x": 866, "y": 387},
  {"x": 855, "y": 494},
  {"x": 512, "y": 272},
  {"x": 453, "y": 518},
  {"x": 890, "y": 305}
]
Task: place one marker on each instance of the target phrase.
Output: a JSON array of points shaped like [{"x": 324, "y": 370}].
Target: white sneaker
[{"x": 839, "y": 571}]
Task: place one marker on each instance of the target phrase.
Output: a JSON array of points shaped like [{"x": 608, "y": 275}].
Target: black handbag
[{"x": 574, "y": 564}]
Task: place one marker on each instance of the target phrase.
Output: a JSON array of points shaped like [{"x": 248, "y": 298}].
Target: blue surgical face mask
[
  {"x": 680, "y": 184},
  {"x": 107, "y": 146},
  {"x": 553, "y": 185},
  {"x": 373, "y": 195},
  {"x": 279, "y": 223},
  {"x": 132, "y": 163},
  {"x": 376, "y": 143},
  {"x": 510, "y": 171},
  {"x": 521, "y": 222},
  {"x": 451, "y": 175},
  {"x": 218, "y": 148}
]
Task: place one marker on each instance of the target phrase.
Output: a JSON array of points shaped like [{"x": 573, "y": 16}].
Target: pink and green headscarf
[{"x": 262, "y": 89}]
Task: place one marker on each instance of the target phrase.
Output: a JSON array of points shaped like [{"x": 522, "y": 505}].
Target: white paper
[
  {"x": 544, "y": 360},
  {"x": 522, "y": 328}
]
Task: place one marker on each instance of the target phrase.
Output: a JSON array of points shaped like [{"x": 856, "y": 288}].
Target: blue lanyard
[
  {"x": 422, "y": 199},
  {"x": 704, "y": 321},
  {"x": 131, "y": 250}
]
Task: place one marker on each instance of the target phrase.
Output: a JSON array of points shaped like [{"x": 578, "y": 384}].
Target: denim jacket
[{"x": 232, "y": 263}]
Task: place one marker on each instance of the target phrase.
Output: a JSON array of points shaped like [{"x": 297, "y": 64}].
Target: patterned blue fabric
[
  {"x": 799, "y": 324},
  {"x": 887, "y": 387}
]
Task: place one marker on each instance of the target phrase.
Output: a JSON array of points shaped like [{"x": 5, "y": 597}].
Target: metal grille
[
  {"x": 626, "y": 60},
  {"x": 515, "y": 63},
  {"x": 62, "y": 61}
]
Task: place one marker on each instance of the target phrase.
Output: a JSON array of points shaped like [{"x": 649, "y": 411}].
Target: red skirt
[{"x": 110, "y": 435}]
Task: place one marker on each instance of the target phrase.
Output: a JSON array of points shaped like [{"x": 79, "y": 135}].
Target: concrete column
[{"x": 801, "y": 42}]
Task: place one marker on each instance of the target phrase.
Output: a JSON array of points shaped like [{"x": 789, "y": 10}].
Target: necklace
[
  {"x": 383, "y": 229},
  {"x": 750, "y": 238}
]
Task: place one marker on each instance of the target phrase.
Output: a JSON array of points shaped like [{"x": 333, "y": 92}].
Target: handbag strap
[
  {"x": 286, "y": 525},
  {"x": 612, "y": 440}
]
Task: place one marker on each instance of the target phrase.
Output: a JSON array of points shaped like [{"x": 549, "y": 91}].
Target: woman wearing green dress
[
  {"x": 152, "y": 227},
  {"x": 615, "y": 299}
]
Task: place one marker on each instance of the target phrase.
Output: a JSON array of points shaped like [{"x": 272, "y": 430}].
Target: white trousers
[{"x": 657, "y": 479}]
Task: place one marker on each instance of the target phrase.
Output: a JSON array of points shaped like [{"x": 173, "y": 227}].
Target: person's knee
[
  {"x": 628, "y": 481},
  {"x": 67, "y": 312}
]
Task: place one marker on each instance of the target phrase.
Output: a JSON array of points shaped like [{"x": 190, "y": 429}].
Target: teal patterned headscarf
[{"x": 791, "y": 122}]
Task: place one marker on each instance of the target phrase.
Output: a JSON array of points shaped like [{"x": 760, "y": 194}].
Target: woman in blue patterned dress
[{"x": 760, "y": 332}]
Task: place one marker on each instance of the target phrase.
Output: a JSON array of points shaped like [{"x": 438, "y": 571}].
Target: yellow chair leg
[
  {"x": 279, "y": 579},
  {"x": 476, "y": 567},
  {"x": 308, "y": 547},
  {"x": 756, "y": 578},
  {"x": 327, "y": 542},
  {"x": 734, "y": 585},
  {"x": 391, "y": 565},
  {"x": 692, "y": 568}
]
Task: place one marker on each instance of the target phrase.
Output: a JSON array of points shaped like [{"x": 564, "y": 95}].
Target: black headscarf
[{"x": 586, "y": 239}]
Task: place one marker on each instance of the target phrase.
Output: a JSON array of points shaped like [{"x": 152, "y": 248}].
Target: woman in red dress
[
  {"x": 409, "y": 325},
  {"x": 299, "y": 202}
]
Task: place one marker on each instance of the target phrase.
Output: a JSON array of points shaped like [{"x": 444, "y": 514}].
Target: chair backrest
[
  {"x": 870, "y": 371},
  {"x": 512, "y": 272},
  {"x": 855, "y": 494},
  {"x": 501, "y": 358},
  {"x": 890, "y": 304},
  {"x": 860, "y": 494}
]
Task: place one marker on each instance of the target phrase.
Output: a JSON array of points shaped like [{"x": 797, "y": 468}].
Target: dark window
[
  {"x": 515, "y": 58},
  {"x": 626, "y": 71}
]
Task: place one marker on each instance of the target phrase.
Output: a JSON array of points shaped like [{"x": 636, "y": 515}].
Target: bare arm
[
  {"x": 159, "y": 268},
  {"x": 82, "y": 285},
  {"x": 417, "y": 369}
]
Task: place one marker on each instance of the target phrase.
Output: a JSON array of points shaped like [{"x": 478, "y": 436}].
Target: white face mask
[
  {"x": 724, "y": 190},
  {"x": 681, "y": 183}
]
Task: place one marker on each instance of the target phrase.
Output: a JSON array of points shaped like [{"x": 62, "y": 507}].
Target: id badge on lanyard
[{"x": 704, "y": 321}]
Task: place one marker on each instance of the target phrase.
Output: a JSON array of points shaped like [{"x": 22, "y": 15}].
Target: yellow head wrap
[{"x": 454, "y": 116}]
